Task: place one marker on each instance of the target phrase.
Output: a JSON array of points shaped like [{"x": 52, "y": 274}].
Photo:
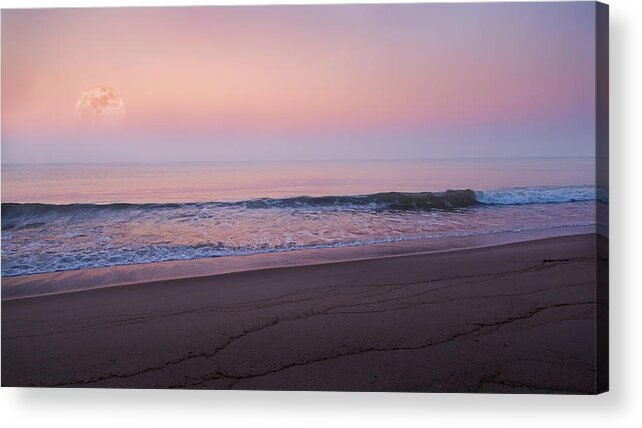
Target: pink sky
[{"x": 235, "y": 83}]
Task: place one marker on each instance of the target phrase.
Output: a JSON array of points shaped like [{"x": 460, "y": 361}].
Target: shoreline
[
  {"x": 517, "y": 318},
  {"x": 31, "y": 286}
]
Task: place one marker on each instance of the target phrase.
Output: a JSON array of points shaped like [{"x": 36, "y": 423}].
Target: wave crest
[{"x": 536, "y": 195}]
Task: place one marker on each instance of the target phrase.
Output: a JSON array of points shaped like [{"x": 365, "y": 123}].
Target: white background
[{"x": 622, "y": 406}]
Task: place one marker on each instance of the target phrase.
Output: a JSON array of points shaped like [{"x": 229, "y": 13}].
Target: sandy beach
[{"x": 517, "y": 318}]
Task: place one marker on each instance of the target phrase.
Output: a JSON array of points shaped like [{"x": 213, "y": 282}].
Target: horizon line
[{"x": 168, "y": 162}]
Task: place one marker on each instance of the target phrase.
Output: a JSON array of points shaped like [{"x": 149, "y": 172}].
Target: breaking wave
[{"x": 22, "y": 215}]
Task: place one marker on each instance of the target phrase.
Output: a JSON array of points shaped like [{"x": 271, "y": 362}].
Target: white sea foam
[{"x": 537, "y": 195}]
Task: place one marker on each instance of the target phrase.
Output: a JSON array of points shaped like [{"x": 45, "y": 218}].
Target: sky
[{"x": 302, "y": 82}]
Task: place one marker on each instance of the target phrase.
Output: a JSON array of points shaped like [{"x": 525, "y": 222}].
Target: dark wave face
[
  {"x": 40, "y": 238},
  {"x": 450, "y": 199}
]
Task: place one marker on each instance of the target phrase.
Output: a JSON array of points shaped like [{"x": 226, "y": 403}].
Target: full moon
[{"x": 100, "y": 105}]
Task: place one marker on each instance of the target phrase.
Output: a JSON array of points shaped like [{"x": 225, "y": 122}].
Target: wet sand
[{"x": 511, "y": 318}]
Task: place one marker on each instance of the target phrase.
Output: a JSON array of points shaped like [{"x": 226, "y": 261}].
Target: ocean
[{"x": 68, "y": 217}]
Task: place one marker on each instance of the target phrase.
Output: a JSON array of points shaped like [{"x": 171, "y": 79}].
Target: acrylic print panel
[{"x": 402, "y": 197}]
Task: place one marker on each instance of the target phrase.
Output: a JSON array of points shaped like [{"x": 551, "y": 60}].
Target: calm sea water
[{"x": 64, "y": 217}]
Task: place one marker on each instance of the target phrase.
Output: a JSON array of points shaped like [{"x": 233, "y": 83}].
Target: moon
[{"x": 100, "y": 105}]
